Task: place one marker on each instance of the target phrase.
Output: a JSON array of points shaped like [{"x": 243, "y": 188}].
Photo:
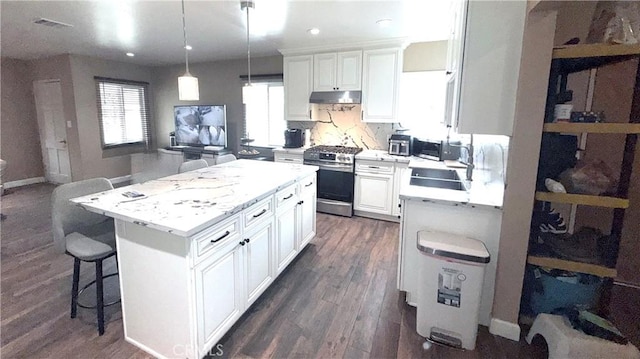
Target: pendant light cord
[
  {"x": 184, "y": 35},
  {"x": 248, "y": 49}
]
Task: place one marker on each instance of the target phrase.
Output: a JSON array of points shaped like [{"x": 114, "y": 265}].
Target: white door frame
[{"x": 53, "y": 130}]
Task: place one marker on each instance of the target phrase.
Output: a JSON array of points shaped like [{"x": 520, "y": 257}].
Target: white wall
[{"x": 95, "y": 161}]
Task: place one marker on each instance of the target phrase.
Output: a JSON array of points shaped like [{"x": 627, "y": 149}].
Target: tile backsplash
[{"x": 340, "y": 124}]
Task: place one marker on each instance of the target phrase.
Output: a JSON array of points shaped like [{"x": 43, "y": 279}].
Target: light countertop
[
  {"x": 189, "y": 202},
  {"x": 482, "y": 192},
  {"x": 296, "y": 151},
  {"x": 381, "y": 155}
]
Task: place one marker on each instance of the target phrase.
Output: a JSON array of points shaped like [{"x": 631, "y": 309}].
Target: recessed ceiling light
[
  {"x": 384, "y": 22},
  {"x": 314, "y": 31},
  {"x": 131, "y": 54},
  {"x": 188, "y": 47}
]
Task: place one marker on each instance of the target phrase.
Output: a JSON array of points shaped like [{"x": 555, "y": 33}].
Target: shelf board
[
  {"x": 576, "y": 58},
  {"x": 594, "y": 50},
  {"x": 573, "y": 127},
  {"x": 583, "y": 199},
  {"x": 557, "y": 263}
]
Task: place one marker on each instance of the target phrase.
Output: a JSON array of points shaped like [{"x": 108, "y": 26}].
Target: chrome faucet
[{"x": 469, "y": 162}]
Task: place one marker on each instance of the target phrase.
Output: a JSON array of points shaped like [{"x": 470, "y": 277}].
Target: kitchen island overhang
[{"x": 198, "y": 248}]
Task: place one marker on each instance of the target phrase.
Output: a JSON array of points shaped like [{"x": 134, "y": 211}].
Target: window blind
[{"x": 123, "y": 112}]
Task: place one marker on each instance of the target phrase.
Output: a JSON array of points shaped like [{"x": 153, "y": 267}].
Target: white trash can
[{"x": 450, "y": 286}]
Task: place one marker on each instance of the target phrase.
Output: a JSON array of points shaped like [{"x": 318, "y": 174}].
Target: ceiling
[{"x": 216, "y": 29}]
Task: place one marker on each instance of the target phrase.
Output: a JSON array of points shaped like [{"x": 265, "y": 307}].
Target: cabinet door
[
  {"x": 307, "y": 218},
  {"x": 298, "y": 84},
  {"x": 324, "y": 72},
  {"x": 259, "y": 261},
  {"x": 286, "y": 233},
  {"x": 488, "y": 80},
  {"x": 349, "y": 74},
  {"x": 373, "y": 193},
  {"x": 219, "y": 293},
  {"x": 380, "y": 80},
  {"x": 397, "y": 179}
]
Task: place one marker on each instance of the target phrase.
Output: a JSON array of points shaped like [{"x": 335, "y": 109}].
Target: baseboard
[
  {"x": 382, "y": 217},
  {"x": 23, "y": 182},
  {"x": 505, "y": 329},
  {"x": 121, "y": 179}
]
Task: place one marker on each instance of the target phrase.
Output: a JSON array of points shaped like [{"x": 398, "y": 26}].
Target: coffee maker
[{"x": 293, "y": 138}]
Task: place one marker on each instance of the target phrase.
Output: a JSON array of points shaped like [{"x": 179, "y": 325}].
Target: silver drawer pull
[
  {"x": 260, "y": 214},
  {"x": 288, "y": 159},
  {"x": 221, "y": 237},
  {"x": 376, "y": 167},
  {"x": 287, "y": 197},
  {"x": 310, "y": 183}
]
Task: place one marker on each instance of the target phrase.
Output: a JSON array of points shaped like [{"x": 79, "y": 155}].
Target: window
[
  {"x": 264, "y": 106},
  {"x": 123, "y": 112},
  {"x": 422, "y": 102}
]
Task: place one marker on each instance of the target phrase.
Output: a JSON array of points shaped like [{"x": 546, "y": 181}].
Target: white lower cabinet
[
  {"x": 259, "y": 248},
  {"x": 295, "y": 220},
  {"x": 288, "y": 157},
  {"x": 307, "y": 217},
  {"x": 373, "y": 192},
  {"x": 286, "y": 231},
  {"x": 219, "y": 292}
]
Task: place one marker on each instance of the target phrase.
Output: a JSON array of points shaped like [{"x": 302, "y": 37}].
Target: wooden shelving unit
[
  {"x": 583, "y": 199},
  {"x": 575, "y": 58},
  {"x": 574, "y": 127},
  {"x": 594, "y": 50},
  {"x": 556, "y": 263}
]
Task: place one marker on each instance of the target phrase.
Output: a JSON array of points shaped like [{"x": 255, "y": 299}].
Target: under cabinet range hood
[{"x": 336, "y": 97}]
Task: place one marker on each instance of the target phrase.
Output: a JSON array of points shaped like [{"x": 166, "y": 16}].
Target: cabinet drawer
[
  {"x": 307, "y": 185},
  {"x": 258, "y": 211},
  {"x": 288, "y": 158},
  {"x": 217, "y": 236},
  {"x": 374, "y": 167},
  {"x": 286, "y": 196}
]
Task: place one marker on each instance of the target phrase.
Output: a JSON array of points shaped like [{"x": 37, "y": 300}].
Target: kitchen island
[{"x": 196, "y": 249}]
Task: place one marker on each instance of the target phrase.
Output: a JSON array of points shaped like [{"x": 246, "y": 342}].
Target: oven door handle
[{"x": 331, "y": 167}]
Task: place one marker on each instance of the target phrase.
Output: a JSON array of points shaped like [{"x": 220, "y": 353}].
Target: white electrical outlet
[{"x": 68, "y": 124}]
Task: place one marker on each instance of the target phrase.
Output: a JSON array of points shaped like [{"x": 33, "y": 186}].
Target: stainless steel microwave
[{"x": 436, "y": 150}]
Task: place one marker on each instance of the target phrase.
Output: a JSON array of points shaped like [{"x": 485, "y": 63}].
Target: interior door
[{"x": 53, "y": 131}]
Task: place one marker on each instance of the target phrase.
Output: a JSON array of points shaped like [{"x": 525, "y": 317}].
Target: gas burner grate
[{"x": 335, "y": 149}]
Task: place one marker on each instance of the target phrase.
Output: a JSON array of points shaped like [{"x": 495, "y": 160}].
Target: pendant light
[
  {"x": 247, "y": 91},
  {"x": 187, "y": 84},
  {"x": 248, "y": 5}
]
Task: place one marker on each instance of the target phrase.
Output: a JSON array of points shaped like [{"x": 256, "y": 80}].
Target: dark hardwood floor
[{"x": 338, "y": 299}]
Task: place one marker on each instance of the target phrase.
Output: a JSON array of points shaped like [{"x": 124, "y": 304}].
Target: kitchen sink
[{"x": 436, "y": 178}]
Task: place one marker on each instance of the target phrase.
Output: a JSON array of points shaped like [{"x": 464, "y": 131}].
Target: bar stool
[
  {"x": 86, "y": 236},
  {"x": 192, "y": 165}
]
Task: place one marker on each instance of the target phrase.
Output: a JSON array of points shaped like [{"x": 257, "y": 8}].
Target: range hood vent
[{"x": 344, "y": 97}]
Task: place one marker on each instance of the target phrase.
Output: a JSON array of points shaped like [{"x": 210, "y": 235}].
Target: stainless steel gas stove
[{"x": 335, "y": 177}]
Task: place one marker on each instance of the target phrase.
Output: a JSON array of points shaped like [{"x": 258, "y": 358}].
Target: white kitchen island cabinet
[{"x": 198, "y": 248}]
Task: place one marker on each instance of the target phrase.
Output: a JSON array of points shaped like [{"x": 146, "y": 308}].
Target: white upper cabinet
[
  {"x": 484, "y": 65},
  {"x": 337, "y": 71},
  {"x": 298, "y": 85},
  {"x": 380, "y": 84}
]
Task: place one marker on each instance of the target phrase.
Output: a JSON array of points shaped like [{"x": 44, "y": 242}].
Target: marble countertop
[
  {"x": 297, "y": 151},
  {"x": 482, "y": 191},
  {"x": 381, "y": 155},
  {"x": 186, "y": 203}
]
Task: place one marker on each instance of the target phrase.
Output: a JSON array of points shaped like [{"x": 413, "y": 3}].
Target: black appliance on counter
[
  {"x": 436, "y": 150},
  {"x": 336, "y": 177},
  {"x": 293, "y": 138}
]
